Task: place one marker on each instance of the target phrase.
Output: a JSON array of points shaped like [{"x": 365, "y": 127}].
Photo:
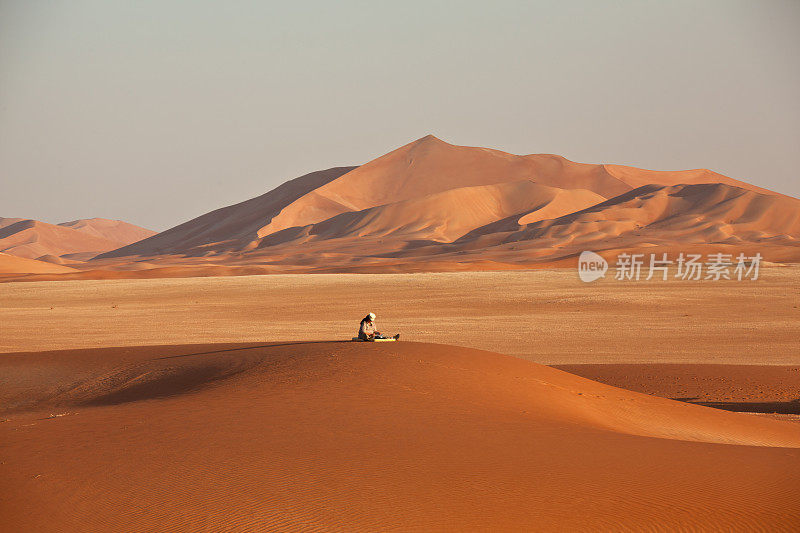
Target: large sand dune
[
  {"x": 352, "y": 436},
  {"x": 445, "y": 216},
  {"x": 433, "y": 206},
  {"x": 430, "y": 165},
  {"x": 232, "y": 227}
]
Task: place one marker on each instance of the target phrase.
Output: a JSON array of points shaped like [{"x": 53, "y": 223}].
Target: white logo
[
  {"x": 591, "y": 266},
  {"x": 630, "y": 267}
]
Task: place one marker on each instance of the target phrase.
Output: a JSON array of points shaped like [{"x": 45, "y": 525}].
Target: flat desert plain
[
  {"x": 546, "y": 316},
  {"x": 238, "y": 404}
]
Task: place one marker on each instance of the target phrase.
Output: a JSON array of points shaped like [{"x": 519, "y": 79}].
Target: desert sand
[
  {"x": 14, "y": 265},
  {"x": 751, "y": 388},
  {"x": 546, "y": 316},
  {"x": 358, "y": 436},
  {"x": 202, "y": 378},
  {"x": 233, "y": 403}
]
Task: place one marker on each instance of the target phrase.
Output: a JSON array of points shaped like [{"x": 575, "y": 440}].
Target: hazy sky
[{"x": 158, "y": 111}]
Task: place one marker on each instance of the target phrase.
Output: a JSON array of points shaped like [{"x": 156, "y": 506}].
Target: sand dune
[
  {"x": 447, "y": 215},
  {"x": 113, "y": 230},
  {"x": 638, "y": 177},
  {"x": 702, "y": 213},
  {"x": 11, "y": 264},
  {"x": 749, "y": 388},
  {"x": 430, "y": 165},
  {"x": 430, "y": 205},
  {"x": 66, "y": 259},
  {"x": 5, "y": 221},
  {"x": 353, "y": 436},
  {"x": 32, "y": 239},
  {"x": 232, "y": 227}
]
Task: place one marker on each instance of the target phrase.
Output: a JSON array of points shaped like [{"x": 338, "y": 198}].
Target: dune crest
[
  {"x": 113, "y": 230},
  {"x": 699, "y": 213},
  {"x": 33, "y": 239},
  {"x": 430, "y": 205}
]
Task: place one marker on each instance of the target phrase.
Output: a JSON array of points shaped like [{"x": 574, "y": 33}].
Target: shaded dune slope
[
  {"x": 232, "y": 227},
  {"x": 700, "y": 213},
  {"x": 357, "y": 436},
  {"x": 770, "y": 389}
]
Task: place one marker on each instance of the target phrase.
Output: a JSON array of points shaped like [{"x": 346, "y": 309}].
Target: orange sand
[
  {"x": 83, "y": 239},
  {"x": 353, "y": 436},
  {"x": 750, "y": 388},
  {"x": 549, "y": 317},
  {"x": 433, "y": 206}
]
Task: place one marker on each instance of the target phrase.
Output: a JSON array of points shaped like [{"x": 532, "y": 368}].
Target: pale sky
[{"x": 155, "y": 112}]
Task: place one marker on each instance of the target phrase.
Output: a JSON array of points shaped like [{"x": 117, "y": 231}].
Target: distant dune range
[
  {"x": 67, "y": 242},
  {"x": 433, "y": 206}
]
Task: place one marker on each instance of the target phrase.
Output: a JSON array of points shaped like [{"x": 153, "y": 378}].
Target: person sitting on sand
[
  {"x": 366, "y": 332},
  {"x": 367, "y": 329}
]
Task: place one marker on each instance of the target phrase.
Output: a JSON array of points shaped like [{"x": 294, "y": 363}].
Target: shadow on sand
[
  {"x": 790, "y": 407},
  {"x": 251, "y": 348},
  {"x": 189, "y": 372}
]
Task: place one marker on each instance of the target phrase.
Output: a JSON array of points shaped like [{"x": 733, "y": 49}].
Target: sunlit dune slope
[
  {"x": 430, "y": 165},
  {"x": 437, "y": 189},
  {"x": 113, "y": 230},
  {"x": 11, "y": 264},
  {"x": 33, "y": 239},
  {"x": 356, "y": 436},
  {"x": 447, "y": 215}
]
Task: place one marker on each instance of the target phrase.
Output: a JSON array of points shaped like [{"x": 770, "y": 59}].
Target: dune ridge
[
  {"x": 444, "y": 216},
  {"x": 88, "y": 237},
  {"x": 113, "y": 230},
  {"x": 700, "y": 213},
  {"x": 433, "y": 206}
]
